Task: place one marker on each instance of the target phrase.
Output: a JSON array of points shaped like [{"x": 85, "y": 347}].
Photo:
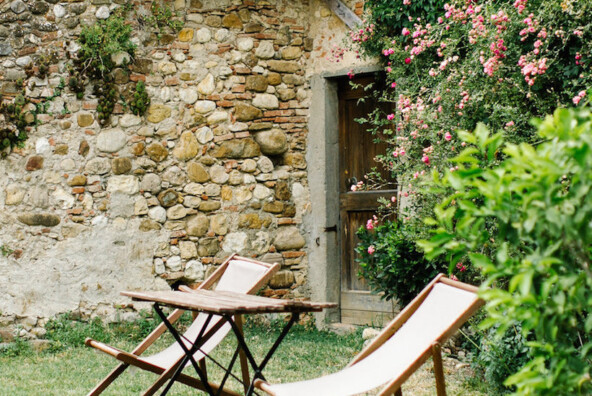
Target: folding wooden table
[{"x": 224, "y": 304}]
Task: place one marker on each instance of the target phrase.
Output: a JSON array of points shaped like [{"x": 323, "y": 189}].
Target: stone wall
[{"x": 215, "y": 166}]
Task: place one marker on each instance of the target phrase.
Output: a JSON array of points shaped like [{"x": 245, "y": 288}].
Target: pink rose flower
[{"x": 371, "y": 249}]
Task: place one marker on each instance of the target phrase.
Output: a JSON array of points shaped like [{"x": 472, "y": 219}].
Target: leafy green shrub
[
  {"x": 540, "y": 200},
  {"x": 18, "y": 347},
  {"x": 100, "y": 41},
  {"x": 500, "y": 356},
  {"x": 389, "y": 17},
  {"x": 141, "y": 100},
  {"x": 391, "y": 262}
]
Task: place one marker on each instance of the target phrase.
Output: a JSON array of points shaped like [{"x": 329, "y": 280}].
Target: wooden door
[{"x": 357, "y": 151}]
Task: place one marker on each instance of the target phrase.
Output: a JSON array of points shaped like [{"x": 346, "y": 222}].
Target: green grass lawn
[{"x": 69, "y": 368}]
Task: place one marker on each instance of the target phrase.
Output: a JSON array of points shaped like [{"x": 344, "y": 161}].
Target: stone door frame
[{"x": 320, "y": 224}]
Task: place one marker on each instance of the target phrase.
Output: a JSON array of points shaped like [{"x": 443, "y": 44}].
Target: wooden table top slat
[{"x": 225, "y": 302}]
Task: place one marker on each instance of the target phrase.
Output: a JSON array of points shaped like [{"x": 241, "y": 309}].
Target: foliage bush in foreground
[
  {"x": 538, "y": 201},
  {"x": 391, "y": 262}
]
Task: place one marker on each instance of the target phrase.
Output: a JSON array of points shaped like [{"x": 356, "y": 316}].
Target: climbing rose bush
[{"x": 500, "y": 63}]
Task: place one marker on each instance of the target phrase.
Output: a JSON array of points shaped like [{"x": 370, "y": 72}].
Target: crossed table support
[{"x": 224, "y": 305}]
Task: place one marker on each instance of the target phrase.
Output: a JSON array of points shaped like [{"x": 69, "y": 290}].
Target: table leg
[
  {"x": 188, "y": 352},
  {"x": 258, "y": 368}
]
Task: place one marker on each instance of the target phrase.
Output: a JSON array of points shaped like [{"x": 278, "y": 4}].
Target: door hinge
[{"x": 331, "y": 229}]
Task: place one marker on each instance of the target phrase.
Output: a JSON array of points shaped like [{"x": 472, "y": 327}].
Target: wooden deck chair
[
  {"x": 401, "y": 348},
  {"x": 237, "y": 274}
]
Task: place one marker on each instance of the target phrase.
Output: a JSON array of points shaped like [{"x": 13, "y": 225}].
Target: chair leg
[
  {"x": 238, "y": 319},
  {"x": 438, "y": 369},
  {"x": 101, "y": 386},
  {"x": 202, "y": 366}
]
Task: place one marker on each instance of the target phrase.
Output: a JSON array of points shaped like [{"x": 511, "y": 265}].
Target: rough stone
[
  {"x": 129, "y": 120},
  {"x": 167, "y": 68},
  {"x": 14, "y": 194},
  {"x": 244, "y": 44},
  {"x": 157, "y": 213},
  {"x": 150, "y": 183},
  {"x": 292, "y": 79},
  {"x": 174, "y": 264},
  {"x": 77, "y": 180},
  {"x": 204, "y": 135},
  {"x": 213, "y": 21},
  {"x": 203, "y": 35},
  {"x": 176, "y": 212},
  {"x": 197, "y": 172},
  {"x": 39, "y": 219},
  {"x": 125, "y": 184},
  {"x": 83, "y": 148},
  {"x": 186, "y": 34},
  {"x": 34, "y": 163},
  {"x": 158, "y": 112},
  {"x": 194, "y": 270},
  {"x": 286, "y": 94},
  {"x": 265, "y": 165},
  {"x": 121, "y": 165},
  {"x": 157, "y": 152},
  {"x": 175, "y": 176},
  {"x": 140, "y": 206},
  {"x": 221, "y": 35},
  {"x": 274, "y": 78},
  {"x": 207, "y": 85},
  {"x": 238, "y": 148},
  {"x": 283, "y": 66},
  {"x": 204, "y": 106},
  {"x": 208, "y": 247},
  {"x": 59, "y": 11},
  {"x": 290, "y": 53},
  {"x": 273, "y": 207},
  {"x": 266, "y": 101},
  {"x": 111, "y": 140},
  {"x": 219, "y": 224},
  {"x": 147, "y": 225},
  {"x": 194, "y": 189},
  {"x": 98, "y": 166},
  {"x": 246, "y": 112},
  {"x": 121, "y": 58},
  {"x": 272, "y": 142},
  {"x": 261, "y": 192},
  {"x": 232, "y": 21},
  {"x": 217, "y": 117},
  {"x": 282, "y": 280},
  {"x": 265, "y": 50},
  {"x": 187, "y": 147},
  {"x": 103, "y": 12},
  {"x": 188, "y": 249},
  {"x": 218, "y": 174},
  {"x": 288, "y": 238},
  {"x": 168, "y": 198},
  {"x": 295, "y": 160},
  {"x": 249, "y": 220},
  {"x": 188, "y": 95},
  {"x": 235, "y": 242},
  {"x": 248, "y": 165},
  {"x": 17, "y": 6},
  {"x": 198, "y": 225},
  {"x": 5, "y": 49},
  {"x": 209, "y": 206},
  {"x": 256, "y": 83}
]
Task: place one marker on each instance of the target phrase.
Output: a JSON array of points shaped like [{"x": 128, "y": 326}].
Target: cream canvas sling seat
[
  {"x": 237, "y": 274},
  {"x": 400, "y": 349}
]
